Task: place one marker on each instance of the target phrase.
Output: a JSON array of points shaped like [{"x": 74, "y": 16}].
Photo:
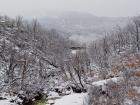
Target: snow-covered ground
[
  {"x": 5, "y": 102},
  {"x": 73, "y": 99},
  {"x": 103, "y": 82}
]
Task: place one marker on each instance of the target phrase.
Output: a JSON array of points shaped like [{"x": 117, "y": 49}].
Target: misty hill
[{"x": 82, "y": 26}]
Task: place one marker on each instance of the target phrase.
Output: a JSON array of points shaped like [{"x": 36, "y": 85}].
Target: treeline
[
  {"x": 118, "y": 56},
  {"x": 34, "y": 59},
  {"x": 120, "y": 42},
  {"x": 29, "y": 55}
]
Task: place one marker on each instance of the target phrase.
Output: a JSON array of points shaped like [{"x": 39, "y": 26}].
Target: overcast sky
[{"x": 39, "y": 8}]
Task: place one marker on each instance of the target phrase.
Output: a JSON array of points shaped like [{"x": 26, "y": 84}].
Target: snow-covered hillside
[
  {"x": 83, "y": 27},
  {"x": 37, "y": 65}
]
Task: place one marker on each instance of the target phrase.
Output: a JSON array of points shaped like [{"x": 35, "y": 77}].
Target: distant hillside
[{"x": 82, "y": 26}]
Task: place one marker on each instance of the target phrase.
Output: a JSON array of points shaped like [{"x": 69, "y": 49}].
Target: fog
[{"x": 41, "y": 8}]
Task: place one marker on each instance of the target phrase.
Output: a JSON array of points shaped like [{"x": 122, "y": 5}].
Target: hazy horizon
[{"x": 42, "y": 8}]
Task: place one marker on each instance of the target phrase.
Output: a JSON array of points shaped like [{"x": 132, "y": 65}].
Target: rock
[{"x": 1, "y": 98}]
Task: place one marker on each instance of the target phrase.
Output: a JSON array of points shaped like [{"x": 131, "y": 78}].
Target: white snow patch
[
  {"x": 6, "y": 102},
  {"x": 53, "y": 94},
  {"x": 73, "y": 99},
  {"x": 128, "y": 102},
  {"x": 103, "y": 82}
]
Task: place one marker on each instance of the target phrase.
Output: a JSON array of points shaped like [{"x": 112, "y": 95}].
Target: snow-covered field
[{"x": 73, "y": 99}]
